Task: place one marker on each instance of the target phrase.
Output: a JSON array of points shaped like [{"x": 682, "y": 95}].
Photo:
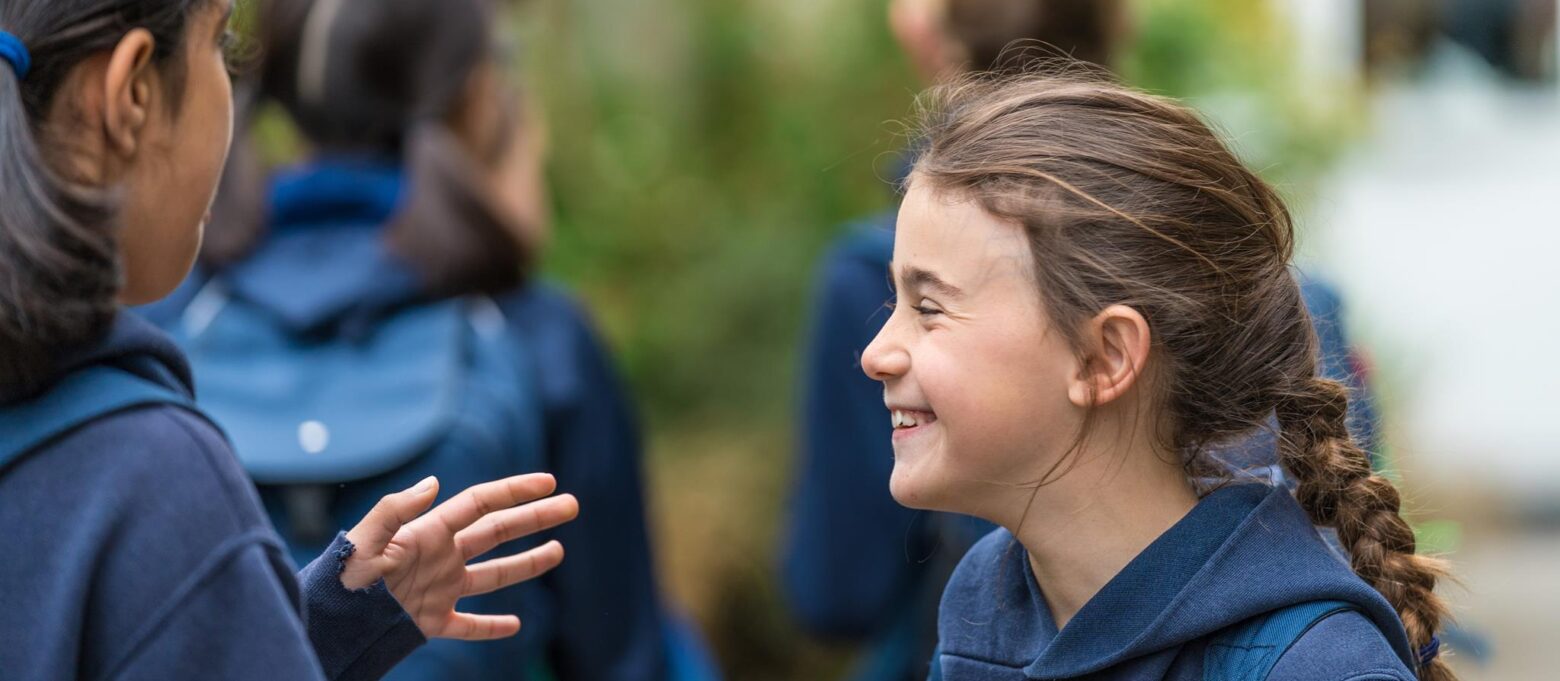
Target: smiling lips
[{"x": 905, "y": 419}]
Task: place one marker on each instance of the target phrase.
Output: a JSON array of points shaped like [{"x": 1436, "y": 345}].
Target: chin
[{"x": 913, "y": 491}]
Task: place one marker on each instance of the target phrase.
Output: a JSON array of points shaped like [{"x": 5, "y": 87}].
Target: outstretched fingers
[
  {"x": 489, "y": 497},
  {"x": 469, "y": 627},
  {"x": 513, "y": 523},
  {"x": 492, "y": 575}
]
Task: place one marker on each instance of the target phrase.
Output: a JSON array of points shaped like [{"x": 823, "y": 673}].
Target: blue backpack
[{"x": 442, "y": 385}]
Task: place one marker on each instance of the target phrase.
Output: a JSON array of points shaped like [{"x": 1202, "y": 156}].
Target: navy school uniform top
[
  {"x": 323, "y": 268},
  {"x": 857, "y": 565},
  {"x": 134, "y": 547},
  {"x": 1243, "y": 551}
]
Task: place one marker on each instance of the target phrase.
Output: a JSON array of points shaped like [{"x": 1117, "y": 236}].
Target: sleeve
[
  {"x": 610, "y": 625},
  {"x": 359, "y": 635},
  {"x": 844, "y": 560},
  {"x": 1343, "y": 647}
]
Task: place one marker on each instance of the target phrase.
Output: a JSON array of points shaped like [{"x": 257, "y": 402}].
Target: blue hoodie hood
[
  {"x": 134, "y": 345},
  {"x": 1244, "y": 551},
  {"x": 324, "y": 261}
]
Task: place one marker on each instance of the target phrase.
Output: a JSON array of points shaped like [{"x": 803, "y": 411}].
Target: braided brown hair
[{"x": 1128, "y": 198}]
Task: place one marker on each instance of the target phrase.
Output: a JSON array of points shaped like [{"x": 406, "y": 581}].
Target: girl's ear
[
  {"x": 130, "y": 88},
  {"x": 1118, "y": 341}
]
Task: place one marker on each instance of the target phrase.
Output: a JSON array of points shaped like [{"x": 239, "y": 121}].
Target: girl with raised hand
[
  {"x": 134, "y": 545},
  {"x": 1095, "y": 295}
]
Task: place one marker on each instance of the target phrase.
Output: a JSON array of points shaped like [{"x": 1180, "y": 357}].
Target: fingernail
[{"x": 425, "y": 485}]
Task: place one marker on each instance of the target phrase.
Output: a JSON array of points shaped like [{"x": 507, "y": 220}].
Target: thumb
[{"x": 374, "y": 532}]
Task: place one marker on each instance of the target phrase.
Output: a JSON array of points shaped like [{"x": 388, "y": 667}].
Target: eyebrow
[{"x": 916, "y": 278}]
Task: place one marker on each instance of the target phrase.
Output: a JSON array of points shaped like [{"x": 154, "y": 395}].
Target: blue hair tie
[
  {"x": 1428, "y": 653},
  {"x": 12, "y": 50}
]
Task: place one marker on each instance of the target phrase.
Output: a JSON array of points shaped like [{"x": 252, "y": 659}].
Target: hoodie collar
[
  {"x": 134, "y": 345},
  {"x": 336, "y": 190},
  {"x": 1245, "y": 550}
]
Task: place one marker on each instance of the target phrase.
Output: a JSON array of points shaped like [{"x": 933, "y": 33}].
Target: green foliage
[
  {"x": 1234, "y": 60},
  {"x": 703, "y": 152}
]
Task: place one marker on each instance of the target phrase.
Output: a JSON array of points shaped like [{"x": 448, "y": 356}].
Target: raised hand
[{"x": 422, "y": 557}]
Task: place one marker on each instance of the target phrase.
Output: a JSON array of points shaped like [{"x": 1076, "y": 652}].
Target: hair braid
[{"x": 1339, "y": 489}]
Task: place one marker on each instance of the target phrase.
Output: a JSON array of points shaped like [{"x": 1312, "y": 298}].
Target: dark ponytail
[
  {"x": 59, "y": 269},
  {"x": 58, "y": 272}
]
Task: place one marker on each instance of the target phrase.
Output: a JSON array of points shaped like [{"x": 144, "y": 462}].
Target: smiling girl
[
  {"x": 134, "y": 547},
  {"x": 1094, "y": 294}
]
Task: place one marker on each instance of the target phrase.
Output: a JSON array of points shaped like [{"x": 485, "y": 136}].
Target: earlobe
[{"x": 129, "y": 89}]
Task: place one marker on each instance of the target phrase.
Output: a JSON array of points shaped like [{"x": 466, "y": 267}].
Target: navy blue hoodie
[
  {"x": 134, "y": 547},
  {"x": 324, "y": 268},
  {"x": 1244, "y": 551}
]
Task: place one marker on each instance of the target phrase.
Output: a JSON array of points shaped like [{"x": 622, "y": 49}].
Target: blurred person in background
[
  {"x": 1515, "y": 37},
  {"x": 368, "y": 317},
  {"x": 858, "y": 567}
]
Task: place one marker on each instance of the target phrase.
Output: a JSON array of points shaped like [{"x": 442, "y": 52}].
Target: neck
[{"x": 1082, "y": 529}]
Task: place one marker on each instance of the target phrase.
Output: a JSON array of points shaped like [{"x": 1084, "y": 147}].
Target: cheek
[
  {"x": 216, "y": 131},
  {"x": 1005, "y": 408},
  {"x": 169, "y": 198}
]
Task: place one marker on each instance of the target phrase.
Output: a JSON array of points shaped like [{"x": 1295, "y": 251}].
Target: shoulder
[
  {"x": 555, "y": 323},
  {"x": 569, "y": 355},
  {"x": 162, "y": 471},
  {"x": 126, "y": 515},
  {"x": 1343, "y": 647}
]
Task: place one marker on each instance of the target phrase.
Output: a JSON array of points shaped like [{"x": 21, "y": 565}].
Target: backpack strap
[
  {"x": 1248, "y": 651},
  {"x": 81, "y": 397}
]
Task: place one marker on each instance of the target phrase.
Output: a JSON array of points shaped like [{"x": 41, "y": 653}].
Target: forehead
[{"x": 950, "y": 234}]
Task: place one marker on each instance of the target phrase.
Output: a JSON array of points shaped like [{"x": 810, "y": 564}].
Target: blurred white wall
[{"x": 1444, "y": 229}]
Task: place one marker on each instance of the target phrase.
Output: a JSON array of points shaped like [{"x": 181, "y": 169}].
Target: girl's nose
[{"x": 885, "y": 358}]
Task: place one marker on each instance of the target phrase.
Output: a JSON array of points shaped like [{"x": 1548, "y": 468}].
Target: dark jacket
[
  {"x": 134, "y": 547},
  {"x": 1244, "y": 551}
]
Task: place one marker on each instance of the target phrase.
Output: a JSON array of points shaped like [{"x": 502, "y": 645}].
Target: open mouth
[{"x": 908, "y": 422}]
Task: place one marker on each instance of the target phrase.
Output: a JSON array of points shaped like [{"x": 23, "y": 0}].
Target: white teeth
[
  {"x": 903, "y": 419},
  {"x": 910, "y": 421}
]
